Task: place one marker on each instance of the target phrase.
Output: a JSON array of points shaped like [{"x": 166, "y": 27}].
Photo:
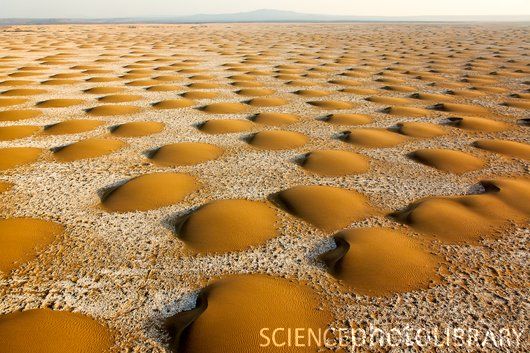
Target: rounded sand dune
[
  {"x": 479, "y": 124},
  {"x": 390, "y": 100},
  {"x": 164, "y": 88},
  {"x": 85, "y": 149},
  {"x": 138, "y": 129},
  {"x": 465, "y": 219},
  {"x": 59, "y": 103},
  {"x": 432, "y": 97},
  {"x": 173, "y": 103},
  {"x": 267, "y": 102},
  {"x": 204, "y": 85},
  {"x": 120, "y": 98},
  {"x": 21, "y": 239},
  {"x": 465, "y": 109},
  {"x": 224, "y": 108},
  {"x": 380, "y": 262},
  {"x": 228, "y": 225},
  {"x": 508, "y": 148},
  {"x": 374, "y": 138},
  {"x": 9, "y": 133},
  {"x": 104, "y": 90},
  {"x": 185, "y": 153},
  {"x": 335, "y": 163},
  {"x": 15, "y": 115},
  {"x": 359, "y": 91},
  {"x": 348, "y": 119},
  {"x": 225, "y": 126},
  {"x": 326, "y": 207},
  {"x": 275, "y": 119},
  {"x": 53, "y": 332},
  {"x": 407, "y": 111},
  {"x": 200, "y": 95},
  {"x": 110, "y": 110},
  {"x": 8, "y": 102},
  {"x": 12, "y": 157},
  {"x": 23, "y": 92},
  {"x": 421, "y": 130},
  {"x": 255, "y": 92},
  {"x": 232, "y": 311},
  {"x": 60, "y": 82},
  {"x": 149, "y": 191},
  {"x": 450, "y": 161},
  {"x": 75, "y": 126},
  {"x": 312, "y": 93},
  {"x": 332, "y": 105},
  {"x": 278, "y": 140}
]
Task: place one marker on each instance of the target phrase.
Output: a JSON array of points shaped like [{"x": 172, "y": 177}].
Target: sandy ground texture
[{"x": 239, "y": 176}]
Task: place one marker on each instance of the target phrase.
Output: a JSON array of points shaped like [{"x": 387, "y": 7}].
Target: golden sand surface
[{"x": 285, "y": 174}]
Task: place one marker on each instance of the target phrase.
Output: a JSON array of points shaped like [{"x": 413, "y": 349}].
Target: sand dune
[
  {"x": 325, "y": 207},
  {"x": 332, "y": 105},
  {"x": 185, "y": 153},
  {"x": 13, "y": 157},
  {"x": 59, "y": 103},
  {"x": 71, "y": 127},
  {"x": 479, "y": 124},
  {"x": 374, "y": 138},
  {"x": 15, "y": 115},
  {"x": 348, "y": 119},
  {"x": 225, "y": 126},
  {"x": 467, "y": 218},
  {"x": 137, "y": 129},
  {"x": 109, "y": 110},
  {"x": 224, "y": 108},
  {"x": 53, "y": 332},
  {"x": 335, "y": 163},
  {"x": 508, "y": 148},
  {"x": 89, "y": 148},
  {"x": 149, "y": 191},
  {"x": 8, "y": 133},
  {"x": 275, "y": 119},
  {"x": 22, "y": 238},
  {"x": 380, "y": 261},
  {"x": 228, "y": 225},
  {"x": 421, "y": 130},
  {"x": 120, "y": 98},
  {"x": 277, "y": 140},
  {"x": 450, "y": 161},
  {"x": 174, "y": 103},
  {"x": 229, "y": 307}
]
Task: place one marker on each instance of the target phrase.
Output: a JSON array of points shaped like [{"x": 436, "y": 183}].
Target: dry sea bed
[{"x": 180, "y": 187}]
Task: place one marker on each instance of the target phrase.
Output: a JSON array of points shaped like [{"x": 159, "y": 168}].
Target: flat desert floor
[{"x": 180, "y": 187}]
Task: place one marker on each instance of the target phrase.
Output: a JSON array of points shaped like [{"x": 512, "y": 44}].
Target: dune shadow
[{"x": 104, "y": 192}]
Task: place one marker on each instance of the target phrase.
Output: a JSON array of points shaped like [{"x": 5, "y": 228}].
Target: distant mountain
[{"x": 266, "y": 15}]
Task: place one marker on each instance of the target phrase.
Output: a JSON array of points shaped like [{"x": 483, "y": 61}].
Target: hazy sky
[{"x": 147, "y": 8}]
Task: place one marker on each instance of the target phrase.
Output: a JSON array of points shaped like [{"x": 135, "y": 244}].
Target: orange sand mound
[
  {"x": 228, "y": 225},
  {"x": 312, "y": 93},
  {"x": 421, "y": 130},
  {"x": 521, "y": 104},
  {"x": 164, "y": 88},
  {"x": 275, "y": 119},
  {"x": 450, "y": 161},
  {"x": 325, "y": 207},
  {"x": 406, "y": 111},
  {"x": 109, "y": 110},
  {"x": 74, "y": 126},
  {"x": 174, "y": 103},
  {"x": 225, "y": 126},
  {"x": 267, "y": 102},
  {"x": 332, "y": 105},
  {"x": 149, "y": 191},
  {"x": 89, "y": 148},
  {"x": 185, "y": 153},
  {"x": 138, "y": 128},
  {"x": 224, "y": 108},
  {"x": 509, "y": 148},
  {"x": 23, "y": 92},
  {"x": 232, "y": 311},
  {"x": 59, "y": 103},
  {"x": 464, "y": 219},
  {"x": 278, "y": 140},
  {"x": 53, "y": 332},
  {"x": 432, "y": 97},
  {"x": 199, "y": 95},
  {"x": 390, "y": 100},
  {"x": 348, "y": 119},
  {"x": 374, "y": 138},
  {"x": 380, "y": 262},
  {"x": 335, "y": 163},
  {"x": 22, "y": 238},
  {"x": 466, "y": 109},
  {"x": 120, "y": 98},
  {"x": 104, "y": 90},
  {"x": 15, "y": 115},
  {"x": 479, "y": 124},
  {"x": 13, "y": 157},
  {"x": 8, "y": 133},
  {"x": 255, "y": 92},
  {"x": 7, "y": 102}
]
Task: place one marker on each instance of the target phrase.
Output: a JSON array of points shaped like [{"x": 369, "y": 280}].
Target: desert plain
[{"x": 176, "y": 188}]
